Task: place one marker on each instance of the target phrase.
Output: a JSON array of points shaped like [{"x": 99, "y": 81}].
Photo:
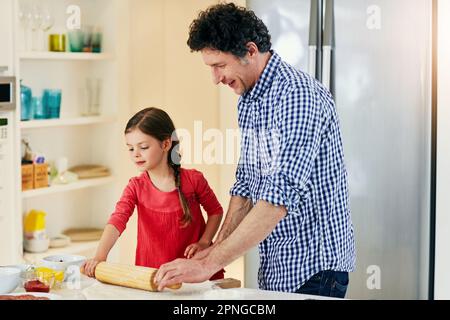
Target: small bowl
[
  {"x": 60, "y": 241},
  {"x": 9, "y": 279},
  {"x": 61, "y": 262},
  {"x": 36, "y": 245}
]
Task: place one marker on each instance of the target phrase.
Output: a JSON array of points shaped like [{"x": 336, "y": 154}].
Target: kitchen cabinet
[
  {"x": 80, "y": 138},
  {"x": 6, "y": 37}
]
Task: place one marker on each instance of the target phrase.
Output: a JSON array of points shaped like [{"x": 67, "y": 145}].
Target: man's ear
[{"x": 252, "y": 49}]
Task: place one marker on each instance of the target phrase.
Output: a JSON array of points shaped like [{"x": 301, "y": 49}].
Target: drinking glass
[
  {"x": 52, "y": 102},
  {"x": 39, "y": 111}
]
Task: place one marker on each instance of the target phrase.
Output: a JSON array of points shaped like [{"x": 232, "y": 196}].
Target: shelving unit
[
  {"x": 79, "y": 121},
  {"x": 80, "y": 184},
  {"x": 65, "y": 56},
  {"x": 98, "y": 139}
]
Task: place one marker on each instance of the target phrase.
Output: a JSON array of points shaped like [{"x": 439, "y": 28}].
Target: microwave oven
[{"x": 7, "y": 93}]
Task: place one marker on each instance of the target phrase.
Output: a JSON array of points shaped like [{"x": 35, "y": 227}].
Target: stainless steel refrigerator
[{"x": 375, "y": 56}]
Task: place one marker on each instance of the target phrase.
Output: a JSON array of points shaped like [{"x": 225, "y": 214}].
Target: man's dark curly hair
[{"x": 228, "y": 28}]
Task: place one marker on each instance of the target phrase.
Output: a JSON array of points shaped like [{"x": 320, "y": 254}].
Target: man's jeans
[{"x": 326, "y": 283}]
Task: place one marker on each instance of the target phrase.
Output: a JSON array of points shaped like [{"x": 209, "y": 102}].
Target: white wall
[
  {"x": 442, "y": 275},
  {"x": 164, "y": 73},
  {"x": 6, "y": 36}
]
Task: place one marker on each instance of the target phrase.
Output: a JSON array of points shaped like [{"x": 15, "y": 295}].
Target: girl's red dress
[{"x": 161, "y": 238}]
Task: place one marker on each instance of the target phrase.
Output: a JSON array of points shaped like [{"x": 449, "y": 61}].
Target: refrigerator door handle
[
  {"x": 328, "y": 43},
  {"x": 312, "y": 61},
  {"x": 326, "y": 73},
  {"x": 315, "y": 32}
]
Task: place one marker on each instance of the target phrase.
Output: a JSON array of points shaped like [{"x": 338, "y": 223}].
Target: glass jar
[{"x": 25, "y": 103}]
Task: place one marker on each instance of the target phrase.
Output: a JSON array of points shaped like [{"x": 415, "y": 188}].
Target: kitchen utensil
[
  {"x": 52, "y": 102},
  {"x": 50, "y": 277},
  {"x": 57, "y": 42},
  {"x": 61, "y": 262},
  {"x": 128, "y": 276},
  {"x": 25, "y": 102},
  {"x": 84, "y": 234},
  {"x": 38, "y": 107},
  {"x": 48, "y": 21},
  {"x": 87, "y": 43},
  {"x": 76, "y": 40},
  {"x": 35, "y": 225},
  {"x": 36, "y": 245},
  {"x": 227, "y": 283},
  {"x": 9, "y": 279},
  {"x": 60, "y": 241},
  {"x": 90, "y": 171},
  {"x": 24, "y": 269},
  {"x": 97, "y": 40},
  {"x": 94, "y": 91}
]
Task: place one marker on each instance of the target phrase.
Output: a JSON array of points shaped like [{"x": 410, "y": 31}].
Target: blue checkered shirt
[{"x": 292, "y": 155}]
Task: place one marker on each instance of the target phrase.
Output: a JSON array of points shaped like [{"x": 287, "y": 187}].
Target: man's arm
[
  {"x": 238, "y": 208},
  {"x": 254, "y": 228}
]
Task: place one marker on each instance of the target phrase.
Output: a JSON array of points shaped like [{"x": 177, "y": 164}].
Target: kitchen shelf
[
  {"x": 74, "y": 248},
  {"x": 34, "y": 124},
  {"x": 65, "y": 56},
  {"x": 80, "y": 184}
]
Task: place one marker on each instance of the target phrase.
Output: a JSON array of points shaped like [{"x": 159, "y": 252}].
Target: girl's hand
[
  {"x": 192, "y": 249},
  {"x": 199, "y": 255},
  {"x": 88, "y": 268}
]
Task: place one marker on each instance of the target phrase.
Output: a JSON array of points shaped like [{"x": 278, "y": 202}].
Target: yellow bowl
[{"x": 49, "y": 276}]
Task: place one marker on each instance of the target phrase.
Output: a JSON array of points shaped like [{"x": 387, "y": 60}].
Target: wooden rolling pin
[
  {"x": 143, "y": 278},
  {"x": 128, "y": 276}
]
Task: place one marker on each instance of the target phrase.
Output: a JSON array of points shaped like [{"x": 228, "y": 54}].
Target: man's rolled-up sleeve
[
  {"x": 298, "y": 130},
  {"x": 240, "y": 187}
]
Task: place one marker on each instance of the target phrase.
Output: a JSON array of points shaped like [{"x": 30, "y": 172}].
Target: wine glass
[
  {"x": 25, "y": 16},
  {"x": 35, "y": 23},
  {"x": 48, "y": 21}
]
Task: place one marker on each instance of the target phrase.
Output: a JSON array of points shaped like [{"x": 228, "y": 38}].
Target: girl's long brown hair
[{"x": 157, "y": 123}]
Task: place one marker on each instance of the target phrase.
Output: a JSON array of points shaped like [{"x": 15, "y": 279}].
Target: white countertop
[{"x": 91, "y": 289}]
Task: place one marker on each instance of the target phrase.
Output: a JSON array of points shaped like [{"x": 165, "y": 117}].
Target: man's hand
[{"x": 183, "y": 270}]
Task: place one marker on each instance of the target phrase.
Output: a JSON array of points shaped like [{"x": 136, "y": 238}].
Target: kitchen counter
[{"x": 91, "y": 289}]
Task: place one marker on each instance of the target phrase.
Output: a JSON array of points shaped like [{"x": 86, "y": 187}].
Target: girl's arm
[
  {"x": 211, "y": 229},
  {"x": 116, "y": 225},
  {"x": 209, "y": 202},
  {"x": 205, "y": 241},
  {"x": 109, "y": 238}
]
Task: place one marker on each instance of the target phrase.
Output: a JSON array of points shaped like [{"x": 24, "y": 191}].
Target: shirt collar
[{"x": 265, "y": 80}]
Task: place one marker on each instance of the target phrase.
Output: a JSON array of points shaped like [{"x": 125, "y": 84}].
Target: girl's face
[{"x": 145, "y": 151}]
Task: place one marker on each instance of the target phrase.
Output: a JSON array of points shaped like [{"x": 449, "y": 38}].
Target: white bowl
[
  {"x": 60, "y": 241},
  {"x": 9, "y": 279},
  {"x": 61, "y": 262},
  {"x": 36, "y": 245},
  {"x": 24, "y": 268}
]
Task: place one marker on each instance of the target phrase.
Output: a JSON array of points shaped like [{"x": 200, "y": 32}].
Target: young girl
[{"x": 167, "y": 197}]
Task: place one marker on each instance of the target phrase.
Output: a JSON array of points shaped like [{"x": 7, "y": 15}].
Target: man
[{"x": 290, "y": 195}]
